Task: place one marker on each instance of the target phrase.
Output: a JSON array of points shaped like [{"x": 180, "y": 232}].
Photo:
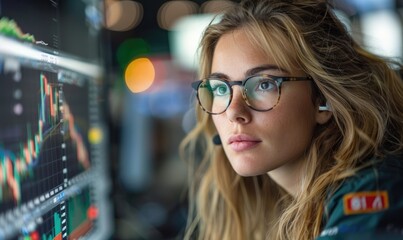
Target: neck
[{"x": 288, "y": 176}]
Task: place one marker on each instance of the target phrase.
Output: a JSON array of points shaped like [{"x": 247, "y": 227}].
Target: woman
[{"x": 299, "y": 134}]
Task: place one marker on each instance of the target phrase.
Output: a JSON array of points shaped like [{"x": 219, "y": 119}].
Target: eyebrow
[
  {"x": 262, "y": 68},
  {"x": 252, "y": 71}
]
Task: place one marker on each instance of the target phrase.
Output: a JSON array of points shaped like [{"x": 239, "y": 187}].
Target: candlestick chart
[
  {"x": 54, "y": 182},
  {"x": 50, "y": 145},
  {"x": 70, "y": 220}
]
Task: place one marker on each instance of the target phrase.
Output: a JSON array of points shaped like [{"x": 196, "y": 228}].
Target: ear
[{"x": 323, "y": 113}]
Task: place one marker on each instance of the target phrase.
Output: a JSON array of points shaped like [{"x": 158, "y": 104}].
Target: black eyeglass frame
[{"x": 279, "y": 81}]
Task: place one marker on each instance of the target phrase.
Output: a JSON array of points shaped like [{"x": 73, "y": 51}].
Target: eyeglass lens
[{"x": 261, "y": 93}]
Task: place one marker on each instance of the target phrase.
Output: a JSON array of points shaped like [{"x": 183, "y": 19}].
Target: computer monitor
[{"x": 54, "y": 181}]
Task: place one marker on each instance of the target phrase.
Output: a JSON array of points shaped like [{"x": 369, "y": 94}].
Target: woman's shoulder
[
  {"x": 369, "y": 202},
  {"x": 381, "y": 174}
]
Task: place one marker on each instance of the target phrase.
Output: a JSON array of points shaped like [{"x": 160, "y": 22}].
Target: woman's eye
[
  {"x": 266, "y": 85},
  {"x": 220, "y": 89}
]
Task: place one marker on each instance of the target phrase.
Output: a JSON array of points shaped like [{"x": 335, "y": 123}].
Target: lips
[{"x": 242, "y": 142}]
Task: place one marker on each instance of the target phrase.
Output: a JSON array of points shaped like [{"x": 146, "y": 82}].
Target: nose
[{"x": 238, "y": 111}]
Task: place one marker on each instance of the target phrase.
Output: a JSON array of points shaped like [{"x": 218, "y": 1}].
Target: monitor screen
[{"x": 54, "y": 182}]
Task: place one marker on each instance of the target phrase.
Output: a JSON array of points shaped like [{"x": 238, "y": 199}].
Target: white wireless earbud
[{"x": 325, "y": 107}]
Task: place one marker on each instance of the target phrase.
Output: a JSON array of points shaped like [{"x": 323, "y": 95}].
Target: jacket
[{"x": 368, "y": 205}]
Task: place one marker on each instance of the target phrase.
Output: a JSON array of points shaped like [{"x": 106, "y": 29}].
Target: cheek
[
  {"x": 218, "y": 122},
  {"x": 295, "y": 122},
  {"x": 296, "y": 106}
]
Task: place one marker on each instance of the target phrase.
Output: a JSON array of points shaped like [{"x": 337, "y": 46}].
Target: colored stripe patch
[{"x": 365, "y": 202}]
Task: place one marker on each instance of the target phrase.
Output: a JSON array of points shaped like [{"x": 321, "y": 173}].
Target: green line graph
[{"x": 10, "y": 28}]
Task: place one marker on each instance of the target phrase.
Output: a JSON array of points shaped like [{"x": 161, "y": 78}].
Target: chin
[
  {"x": 249, "y": 172},
  {"x": 251, "y": 169},
  {"x": 250, "y": 166}
]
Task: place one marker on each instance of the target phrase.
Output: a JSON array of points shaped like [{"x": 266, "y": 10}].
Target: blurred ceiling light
[
  {"x": 216, "y": 6},
  {"x": 171, "y": 11},
  {"x": 185, "y": 37},
  {"x": 382, "y": 33},
  {"x": 139, "y": 75},
  {"x": 123, "y": 15}
]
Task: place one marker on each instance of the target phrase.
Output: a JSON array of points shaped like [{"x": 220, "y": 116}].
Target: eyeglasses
[{"x": 260, "y": 92}]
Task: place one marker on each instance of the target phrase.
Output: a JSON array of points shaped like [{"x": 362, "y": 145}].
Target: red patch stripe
[{"x": 365, "y": 202}]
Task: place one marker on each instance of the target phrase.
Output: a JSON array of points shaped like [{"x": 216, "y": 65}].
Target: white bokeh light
[
  {"x": 185, "y": 37},
  {"x": 382, "y": 33}
]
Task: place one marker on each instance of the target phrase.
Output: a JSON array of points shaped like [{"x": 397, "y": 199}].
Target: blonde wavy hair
[{"x": 366, "y": 97}]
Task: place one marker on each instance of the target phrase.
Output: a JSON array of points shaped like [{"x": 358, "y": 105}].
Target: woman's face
[{"x": 262, "y": 142}]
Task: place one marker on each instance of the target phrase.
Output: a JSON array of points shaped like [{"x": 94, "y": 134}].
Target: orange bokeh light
[{"x": 139, "y": 75}]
